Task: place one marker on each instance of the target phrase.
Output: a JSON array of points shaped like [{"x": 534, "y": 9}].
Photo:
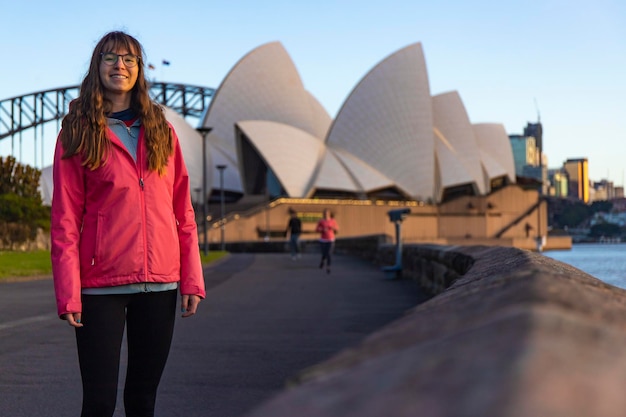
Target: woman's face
[{"x": 117, "y": 73}]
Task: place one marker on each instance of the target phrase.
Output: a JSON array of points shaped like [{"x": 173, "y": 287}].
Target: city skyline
[{"x": 557, "y": 61}]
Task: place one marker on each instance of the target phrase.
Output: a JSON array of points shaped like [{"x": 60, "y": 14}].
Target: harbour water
[{"x": 604, "y": 261}]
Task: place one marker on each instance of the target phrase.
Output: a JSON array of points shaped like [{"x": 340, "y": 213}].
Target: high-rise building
[
  {"x": 558, "y": 180},
  {"x": 536, "y": 131},
  {"x": 525, "y": 153},
  {"x": 605, "y": 190},
  {"x": 578, "y": 173},
  {"x": 528, "y": 154}
]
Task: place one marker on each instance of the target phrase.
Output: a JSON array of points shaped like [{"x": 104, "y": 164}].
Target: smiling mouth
[{"x": 119, "y": 76}]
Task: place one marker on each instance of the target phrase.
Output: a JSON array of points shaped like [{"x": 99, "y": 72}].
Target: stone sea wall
[{"x": 507, "y": 333}]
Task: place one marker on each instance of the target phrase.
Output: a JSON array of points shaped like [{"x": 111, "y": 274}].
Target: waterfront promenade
[{"x": 265, "y": 319}]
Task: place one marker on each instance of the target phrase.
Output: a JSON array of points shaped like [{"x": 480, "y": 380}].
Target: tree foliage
[
  {"x": 21, "y": 209},
  {"x": 567, "y": 213},
  {"x": 605, "y": 230},
  {"x": 603, "y": 206}
]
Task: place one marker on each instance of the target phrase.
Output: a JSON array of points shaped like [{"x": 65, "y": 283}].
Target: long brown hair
[{"x": 84, "y": 128}]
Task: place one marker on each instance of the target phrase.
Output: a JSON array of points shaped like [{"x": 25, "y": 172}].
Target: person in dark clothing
[{"x": 294, "y": 228}]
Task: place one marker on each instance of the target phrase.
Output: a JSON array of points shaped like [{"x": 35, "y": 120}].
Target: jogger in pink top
[{"x": 327, "y": 227}]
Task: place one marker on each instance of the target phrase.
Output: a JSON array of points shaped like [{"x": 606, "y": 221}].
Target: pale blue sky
[{"x": 508, "y": 60}]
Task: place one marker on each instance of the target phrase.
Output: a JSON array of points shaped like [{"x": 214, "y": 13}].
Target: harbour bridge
[{"x": 28, "y": 119}]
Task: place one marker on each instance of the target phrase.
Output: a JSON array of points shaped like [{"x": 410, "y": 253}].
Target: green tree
[
  {"x": 574, "y": 214},
  {"x": 603, "y": 206},
  {"x": 21, "y": 209},
  {"x": 605, "y": 229}
]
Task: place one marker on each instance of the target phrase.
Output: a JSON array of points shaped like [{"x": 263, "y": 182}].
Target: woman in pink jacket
[
  {"x": 124, "y": 238},
  {"x": 327, "y": 227}
]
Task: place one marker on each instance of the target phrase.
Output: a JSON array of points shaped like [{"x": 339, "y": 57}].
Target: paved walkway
[{"x": 266, "y": 317}]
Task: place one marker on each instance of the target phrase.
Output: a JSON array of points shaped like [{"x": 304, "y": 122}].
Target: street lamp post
[
  {"x": 267, "y": 210},
  {"x": 221, "y": 169},
  {"x": 540, "y": 238},
  {"x": 198, "y": 191},
  {"x": 204, "y": 131}
]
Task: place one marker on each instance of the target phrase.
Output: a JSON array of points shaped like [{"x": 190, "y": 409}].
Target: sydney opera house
[{"x": 391, "y": 145}]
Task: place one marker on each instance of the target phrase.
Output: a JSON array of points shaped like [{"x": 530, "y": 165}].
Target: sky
[{"x": 562, "y": 62}]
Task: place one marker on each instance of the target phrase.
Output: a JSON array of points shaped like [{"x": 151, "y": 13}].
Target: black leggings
[
  {"x": 327, "y": 249},
  {"x": 150, "y": 319}
]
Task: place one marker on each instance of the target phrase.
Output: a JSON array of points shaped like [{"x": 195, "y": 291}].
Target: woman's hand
[
  {"x": 189, "y": 305},
  {"x": 73, "y": 319}
]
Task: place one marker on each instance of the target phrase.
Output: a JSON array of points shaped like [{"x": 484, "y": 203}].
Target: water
[{"x": 604, "y": 261}]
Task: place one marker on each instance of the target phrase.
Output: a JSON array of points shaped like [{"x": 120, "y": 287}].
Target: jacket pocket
[
  {"x": 165, "y": 248},
  {"x": 118, "y": 245},
  {"x": 87, "y": 248}
]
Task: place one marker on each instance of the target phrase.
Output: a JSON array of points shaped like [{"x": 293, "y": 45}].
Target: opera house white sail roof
[
  {"x": 457, "y": 149},
  {"x": 387, "y": 122},
  {"x": 390, "y": 133},
  {"x": 264, "y": 85}
]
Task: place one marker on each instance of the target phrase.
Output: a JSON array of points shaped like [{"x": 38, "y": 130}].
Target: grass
[
  {"x": 24, "y": 264},
  {"x": 37, "y": 263},
  {"x": 213, "y": 256}
]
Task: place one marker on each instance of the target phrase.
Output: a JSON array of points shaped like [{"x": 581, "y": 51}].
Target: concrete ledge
[
  {"x": 518, "y": 334},
  {"x": 435, "y": 267},
  {"x": 363, "y": 246}
]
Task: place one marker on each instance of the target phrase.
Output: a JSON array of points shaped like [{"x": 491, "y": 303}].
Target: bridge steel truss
[{"x": 23, "y": 113}]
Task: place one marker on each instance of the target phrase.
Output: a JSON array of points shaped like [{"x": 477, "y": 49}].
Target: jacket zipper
[
  {"x": 140, "y": 171},
  {"x": 143, "y": 212}
]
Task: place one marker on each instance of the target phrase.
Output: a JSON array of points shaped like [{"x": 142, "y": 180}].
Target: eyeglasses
[{"x": 111, "y": 58}]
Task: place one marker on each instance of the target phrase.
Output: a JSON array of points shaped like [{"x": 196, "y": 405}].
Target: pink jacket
[
  {"x": 327, "y": 229},
  {"x": 122, "y": 224}
]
